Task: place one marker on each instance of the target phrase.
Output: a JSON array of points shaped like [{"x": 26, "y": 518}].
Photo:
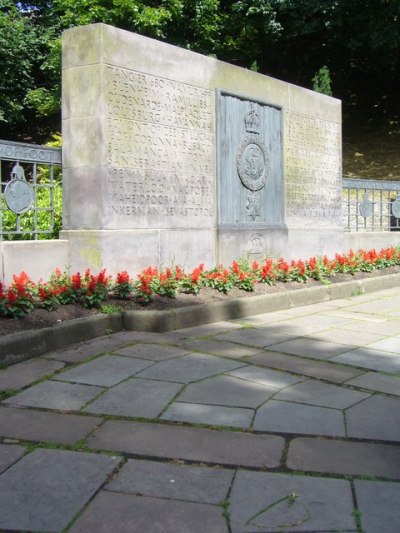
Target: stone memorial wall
[{"x": 170, "y": 156}]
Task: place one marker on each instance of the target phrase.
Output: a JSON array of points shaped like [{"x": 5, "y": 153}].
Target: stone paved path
[{"x": 287, "y": 421}]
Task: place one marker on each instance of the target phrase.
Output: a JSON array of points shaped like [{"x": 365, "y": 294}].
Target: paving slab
[
  {"x": 355, "y": 318},
  {"x": 263, "y": 318},
  {"x": 391, "y": 344},
  {"x": 343, "y": 336},
  {"x": 309, "y": 310},
  {"x": 384, "y": 293},
  {"x": 287, "y": 417},
  {"x": 83, "y": 350},
  {"x": 256, "y": 337},
  {"x": 306, "y": 367},
  {"x": 222, "y": 348},
  {"x": 130, "y": 337},
  {"x": 311, "y": 348},
  {"x": 189, "y": 368},
  {"x": 41, "y": 426},
  {"x": 23, "y": 374},
  {"x": 341, "y": 457},
  {"x": 377, "y": 418},
  {"x": 198, "y": 484},
  {"x": 341, "y": 303},
  {"x": 317, "y": 322},
  {"x": 294, "y": 327},
  {"x": 104, "y": 371},
  {"x": 152, "y": 352},
  {"x": 380, "y": 306},
  {"x": 228, "y": 391},
  {"x": 370, "y": 359},
  {"x": 325, "y": 395},
  {"x": 206, "y": 330},
  {"x": 142, "y": 398},
  {"x": 378, "y": 502},
  {"x": 119, "y": 513},
  {"x": 268, "y": 378},
  {"x": 45, "y": 489},
  {"x": 9, "y": 454},
  {"x": 192, "y": 444},
  {"x": 55, "y": 395},
  {"x": 270, "y": 502},
  {"x": 213, "y": 415},
  {"x": 384, "y": 327},
  {"x": 377, "y": 382}
]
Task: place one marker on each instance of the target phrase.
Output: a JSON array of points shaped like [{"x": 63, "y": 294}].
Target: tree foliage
[
  {"x": 18, "y": 42},
  {"x": 356, "y": 41}
]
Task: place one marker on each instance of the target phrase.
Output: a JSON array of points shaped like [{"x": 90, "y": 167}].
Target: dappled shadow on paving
[{"x": 207, "y": 426}]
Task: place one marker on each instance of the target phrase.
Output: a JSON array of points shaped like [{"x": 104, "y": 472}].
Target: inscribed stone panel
[
  {"x": 313, "y": 171},
  {"x": 159, "y": 137}
]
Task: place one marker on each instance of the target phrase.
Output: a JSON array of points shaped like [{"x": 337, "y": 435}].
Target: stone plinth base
[
  {"x": 134, "y": 250},
  {"x": 37, "y": 258}
]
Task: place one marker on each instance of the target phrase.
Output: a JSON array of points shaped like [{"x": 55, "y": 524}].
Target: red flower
[
  {"x": 102, "y": 278},
  {"x": 196, "y": 274},
  {"x": 22, "y": 284},
  {"x": 267, "y": 269},
  {"x": 76, "y": 281},
  {"x": 312, "y": 263},
  {"x": 178, "y": 273},
  {"x": 235, "y": 267},
  {"x": 43, "y": 293},
  {"x": 11, "y": 296},
  {"x": 123, "y": 277}
]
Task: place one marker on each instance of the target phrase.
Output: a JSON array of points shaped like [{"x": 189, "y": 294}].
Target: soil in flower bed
[{"x": 41, "y": 318}]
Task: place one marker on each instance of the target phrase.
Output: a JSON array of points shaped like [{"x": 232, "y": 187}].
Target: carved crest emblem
[
  {"x": 255, "y": 246},
  {"x": 253, "y": 205},
  {"x": 252, "y": 155}
]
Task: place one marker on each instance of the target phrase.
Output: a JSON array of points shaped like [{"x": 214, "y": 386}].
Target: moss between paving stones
[{"x": 20, "y": 346}]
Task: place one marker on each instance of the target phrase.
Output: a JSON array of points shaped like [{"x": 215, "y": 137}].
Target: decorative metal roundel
[
  {"x": 18, "y": 194},
  {"x": 366, "y": 208},
  {"x": 396, "y": 207}
]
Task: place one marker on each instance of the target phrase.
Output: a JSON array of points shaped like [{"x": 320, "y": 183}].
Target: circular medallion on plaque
[
  {"x": 18, "y": 195},
  {"x": 252, "y": 162}
]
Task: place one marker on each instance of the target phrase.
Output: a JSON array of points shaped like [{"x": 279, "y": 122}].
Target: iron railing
[
  {"x": 27, "y": 189},
  {"x": 371, "y": 205}
]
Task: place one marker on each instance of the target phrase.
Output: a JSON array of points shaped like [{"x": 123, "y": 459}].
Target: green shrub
[{"x": 322, "y": 81}]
